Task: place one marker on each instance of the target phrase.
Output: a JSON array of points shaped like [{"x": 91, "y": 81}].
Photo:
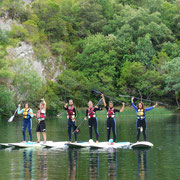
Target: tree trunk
[
  {"x": 140, "y": 95},
  {"x": 177, "y": 102}
]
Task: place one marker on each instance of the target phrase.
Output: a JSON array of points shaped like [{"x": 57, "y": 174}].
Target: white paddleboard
[
  {"x": 61, "y": 144},
  {"x": 99, "y": 145},
  {"x": 4, "y": 145},
  {"x": 106, "y": 145},
  {"x": 142, "y": 144},
  {"x": 78, "y": 145},
  {"x": 28, "y": 144}
]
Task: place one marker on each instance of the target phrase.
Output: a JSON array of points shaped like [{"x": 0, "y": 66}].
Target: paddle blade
[
  {"x": 95, "y": 91},
  {"x": 100, "y": 102},
  {"x": 11, "y": 118}
]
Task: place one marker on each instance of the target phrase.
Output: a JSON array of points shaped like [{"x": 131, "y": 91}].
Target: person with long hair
[
  {"x": 141, "y": 117},
  {"x": 111, "y": 122},
  {"x": 92, "y": 120},
  {"x": 41, "y": 125},
  {"x": 27, "y": 120}
]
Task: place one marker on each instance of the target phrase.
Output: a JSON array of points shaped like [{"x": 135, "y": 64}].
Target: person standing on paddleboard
[
  {"x": 27, "y": 120},
  {"x": 141, "y": 117},
  {"x": 71, "y": 116},
  {"x": 92, "y": 120},
  {"x": 41, "y": 126},
  {"x": 111, "y": 122}
]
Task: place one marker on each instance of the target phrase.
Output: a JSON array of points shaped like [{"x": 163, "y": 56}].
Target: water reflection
[
  {"x": 142, "y": 164},
  {"x": 42, "y": 164},
  {"x": 94, "y": 164},
  {"x": 73, "y": 156},
  {"x": 27, "y": 158},
  {"x": 112, "y": 164}
]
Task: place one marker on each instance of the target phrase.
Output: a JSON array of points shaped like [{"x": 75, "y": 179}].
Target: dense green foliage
[{"x": 118, "y": 46}]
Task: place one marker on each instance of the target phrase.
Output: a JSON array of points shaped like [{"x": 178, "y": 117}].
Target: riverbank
[{"x": 130, "y": 111}]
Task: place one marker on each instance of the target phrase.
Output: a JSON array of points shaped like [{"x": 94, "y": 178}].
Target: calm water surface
[{"x": 160, "y": 162}]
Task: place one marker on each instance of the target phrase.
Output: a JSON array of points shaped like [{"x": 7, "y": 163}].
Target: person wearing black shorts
[{"x": 41, "y": 126}]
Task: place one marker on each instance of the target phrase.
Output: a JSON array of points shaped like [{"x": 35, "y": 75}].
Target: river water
[{"x": 160, "y": 162}]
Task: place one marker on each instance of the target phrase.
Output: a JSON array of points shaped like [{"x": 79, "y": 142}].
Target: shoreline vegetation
[
  {"x": 131, "y": 111},
  {"x": 70, "y": 47}
]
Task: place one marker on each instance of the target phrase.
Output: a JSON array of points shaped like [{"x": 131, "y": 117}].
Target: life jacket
[
  {"x": 91, "y": 113},
  {"x": 110, "y": 113},
  {"x": 25, "y": 113},
  {"x": 140, "y": 114},
  {"x": 70, "y": 112},
  {"x": 41, "y": 116}
]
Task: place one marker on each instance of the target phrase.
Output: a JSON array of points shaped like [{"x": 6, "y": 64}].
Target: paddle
[
  {"x": 77, "y": 130},
  {"x": 126, "y": 96},
  {"x": 95, "y": 91},
  {"x": 41, "y": 98},
  {"x": 12, "y": 117}
]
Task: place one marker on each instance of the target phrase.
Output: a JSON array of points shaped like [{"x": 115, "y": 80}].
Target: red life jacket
[
  {"x": 41, "y": 116},
  {"x": 110, "y": 113},
  {"x": 70, "y": 112},
  {"x": 91, "y": 113}
]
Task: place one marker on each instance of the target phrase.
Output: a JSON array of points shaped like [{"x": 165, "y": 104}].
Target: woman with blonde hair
[{"x": 92, "y": 120}]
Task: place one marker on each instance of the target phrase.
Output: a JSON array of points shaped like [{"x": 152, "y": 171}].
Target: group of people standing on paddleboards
[
  {"x": 90, "y": 116},
  {"x": 111, "y": 121}
]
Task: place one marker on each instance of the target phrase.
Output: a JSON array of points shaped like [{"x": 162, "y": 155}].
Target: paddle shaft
[
  {"x": 98, "y": 92},
  {"x": 126, "y": 96},
  {"x": 99, "y": 102}
]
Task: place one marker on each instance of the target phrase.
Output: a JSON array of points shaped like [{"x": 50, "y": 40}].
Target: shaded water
[{"x": 160, "y": 162}]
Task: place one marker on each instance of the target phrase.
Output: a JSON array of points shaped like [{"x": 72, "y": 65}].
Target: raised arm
[
  {"x": 122, "y": 109},
  {"x": 97, "y": 108},
  {"x": 44, "y": 102},
  {"x": 150, "y": 108},
  {"x": 65, "y": 106},
  {"x": 20, "y": 111},
  {"x": 104, "y": 101},
  {"x": 132, "y": 101}
]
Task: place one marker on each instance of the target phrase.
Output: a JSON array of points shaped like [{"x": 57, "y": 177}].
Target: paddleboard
[
  {"x": 94, "y": 145},
  {"x": 61, "y": 144},
  {"x": 28, "y": 144},
  {"x": 78, "y": 145},
  {"x": 142, "y": 144},
  {"x": 4, "y": 145},
  {"x": 106, "y": 145}
]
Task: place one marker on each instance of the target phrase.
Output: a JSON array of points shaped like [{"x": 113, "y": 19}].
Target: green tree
[
  {"x": 172, "y": 78},
  {"x": 144, "y": 51},
  {"x": 168, "y": 12},
  {"x": 90, "y": 18},
  {"x": 135, "y": 79},
  {"x": 135, "y": 23},
  {"x": 16, "y": 9},
  {"x": 6, "y": 101},
  {"x": 26, "y": 82},
  {"x": 50, "y": 19},
  {"x": 98, "y": 61},
  {"x": 131, "y": 74},
  {"x": 74, "y": 85}
]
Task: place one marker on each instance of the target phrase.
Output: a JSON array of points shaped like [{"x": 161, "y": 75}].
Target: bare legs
[{"x": 39, "y": 135}]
